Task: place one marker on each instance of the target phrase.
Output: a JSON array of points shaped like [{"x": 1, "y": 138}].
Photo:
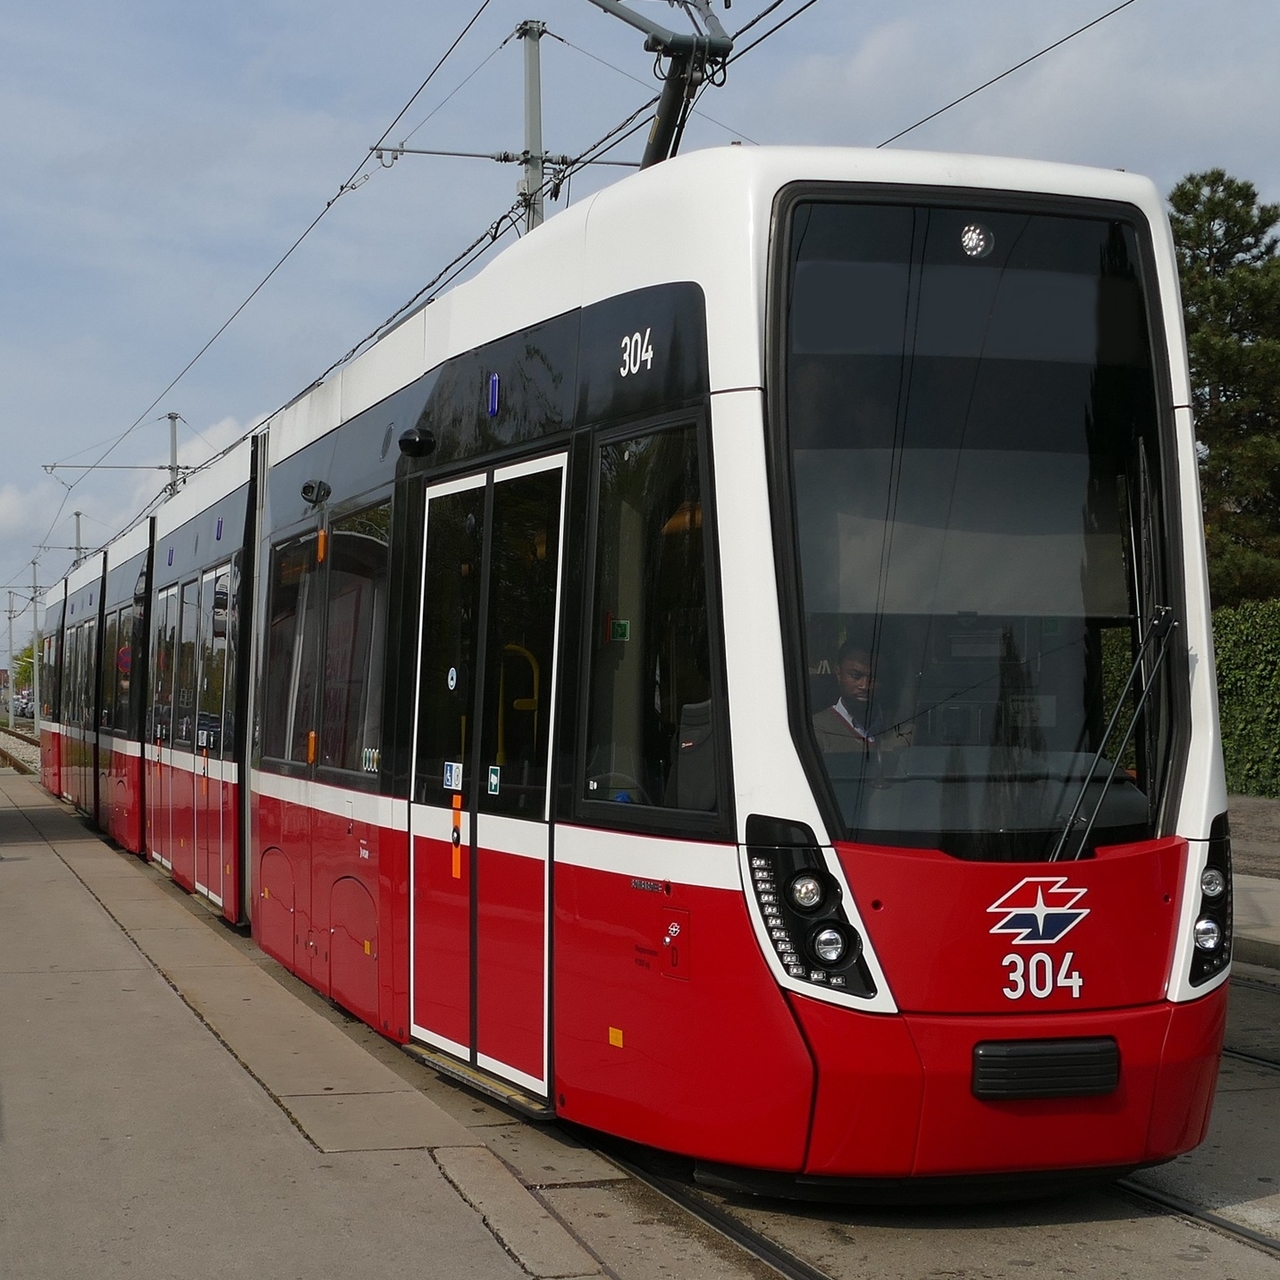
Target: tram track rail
[
  {"x": 16, "y": 750},
  {"x": 692, "y": 1201},
  {"x": 791, "y": 1265},
  {"x": 1180, "y": 1208},
  {"x": 1248, "y": 1055}
]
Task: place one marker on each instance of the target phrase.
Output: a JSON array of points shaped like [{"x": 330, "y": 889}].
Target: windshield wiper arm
[{"x": 1158, "y": 631}]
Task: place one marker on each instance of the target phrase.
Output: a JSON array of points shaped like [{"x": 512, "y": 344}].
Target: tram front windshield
[{"x": 976, "y": 485}]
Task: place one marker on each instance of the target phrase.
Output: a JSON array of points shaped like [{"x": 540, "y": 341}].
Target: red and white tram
[{"x": 736, "y": 674}]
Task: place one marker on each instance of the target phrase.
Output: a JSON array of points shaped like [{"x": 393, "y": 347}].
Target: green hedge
[{"x": 1247, "y": 642}]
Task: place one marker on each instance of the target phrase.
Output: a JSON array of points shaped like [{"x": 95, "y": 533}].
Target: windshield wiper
[{"x": 1158, "y": 632}]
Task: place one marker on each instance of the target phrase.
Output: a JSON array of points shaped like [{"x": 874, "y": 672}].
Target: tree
[
  {"x": 1231, "y": 294},
  {"x": 20, "y": 670}
]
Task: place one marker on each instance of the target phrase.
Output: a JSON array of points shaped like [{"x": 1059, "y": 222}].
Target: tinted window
[
  {"x": 450, "y": 618},
  {"x": 184, "y": 710},
  {"x": 163, "y": 649},
  {"x": 291, "y": 669},
  {"x": 355, "y": 639},
  {"x": 974, "y": 470},
  {"x": 650, "y": 738},
  {"x": 214, "y": 588},
  {"x": 110, "y": 642},
  {"x": 117, "y": 666},
  {"x": 519, "y": 648}
]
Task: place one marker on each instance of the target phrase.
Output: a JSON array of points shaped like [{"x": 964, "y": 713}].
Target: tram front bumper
[{"x": 896, "y": 1094}]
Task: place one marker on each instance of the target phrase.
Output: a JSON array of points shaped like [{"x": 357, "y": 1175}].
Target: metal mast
[
  {"x": 173, "y": 452},
  {"x": 35, "y": 648},
  {"x": 531, "y": 32}
]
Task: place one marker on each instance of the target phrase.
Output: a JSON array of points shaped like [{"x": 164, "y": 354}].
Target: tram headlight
[
  {"x": 830, "y": 945},
  {"x": 1208, "y": 934},
  {"x": 805, "y": 892},
  {"x": 1213, "y": 883}
]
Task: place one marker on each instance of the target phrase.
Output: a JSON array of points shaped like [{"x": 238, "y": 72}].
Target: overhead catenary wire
[
  {"x": 353, "y": 181},
  {"x": 462, "y": 84},
  {"x": 604, "y": 62},
  {"x": 625, "y": 129},
  {"x": 507, "y": 222},
  {"x": 964, "y": 97},
  {"x": 791, "y": 17}
]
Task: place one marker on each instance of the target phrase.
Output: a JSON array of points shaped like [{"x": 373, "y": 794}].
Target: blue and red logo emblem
[{"x": 1039, "y": 909}]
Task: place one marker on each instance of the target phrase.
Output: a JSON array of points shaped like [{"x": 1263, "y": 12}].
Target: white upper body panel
[
  {"x": 704, "y": 217},
  {"x": 129, "y": 544},
  {"x": 86, "y": 572},
  {"x": 203, "y": 488}
]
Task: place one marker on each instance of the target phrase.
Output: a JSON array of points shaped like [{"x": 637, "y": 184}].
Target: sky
[{"x": 161, "y": 157}]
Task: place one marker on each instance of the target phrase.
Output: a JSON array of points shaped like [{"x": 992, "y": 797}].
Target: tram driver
[{"x": 853, "y": 722}]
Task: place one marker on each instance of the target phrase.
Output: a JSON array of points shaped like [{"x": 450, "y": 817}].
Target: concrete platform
[
  {"x": 1257, "y": 920},
  {"x": 168, "y": 1109}
]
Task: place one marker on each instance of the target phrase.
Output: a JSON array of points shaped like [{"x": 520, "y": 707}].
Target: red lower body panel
[
  {"x": 697, "y": 1053},
  {"x": 123, "y": 802},
  {"x": 511, "y": 958},
  {"x": 442, "y": 939},
  {"x": 1188, "y": 1075},
  {"x": 330, "y": 903},
  {"x": 51, "y": 760},
  {"x": 895, "y": 1096}
]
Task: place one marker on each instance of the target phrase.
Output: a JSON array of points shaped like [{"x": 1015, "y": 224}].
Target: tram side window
[
  {"x": 84, "y": 675},
  {"x": 650, "y": 729},
  {"x": 213, "y": 660},
  {"x": 233, "y": 643},
  {"x": 117, "y": 661},
  {"x": 50, "y": 676},
  {"x": 72, "y": 711},
  {"x": 163, "y": 638},
  {"x": 107, "y": 690},
  {"x": 184, "y": 709},
  {"x": 355, "y": 634},
  {"x": 292, "y": 660}
]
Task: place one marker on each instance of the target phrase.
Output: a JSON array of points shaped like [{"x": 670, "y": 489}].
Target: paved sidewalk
[
  {"x": 1257, "y": 920},
  {"x": 253, "y": 1140}
]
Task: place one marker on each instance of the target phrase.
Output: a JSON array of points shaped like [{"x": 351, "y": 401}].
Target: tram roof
[{"x": 702, "y": 217}]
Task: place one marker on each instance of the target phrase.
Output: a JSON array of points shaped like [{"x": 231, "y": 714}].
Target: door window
[
  {"x": 519, "y": 647},
  {"x": 451, "y": 600}
]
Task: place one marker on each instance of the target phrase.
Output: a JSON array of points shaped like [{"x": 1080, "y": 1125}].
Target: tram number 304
[
  {"x": 1036, "y": 975},
  {"x": 636, "y": 351}
]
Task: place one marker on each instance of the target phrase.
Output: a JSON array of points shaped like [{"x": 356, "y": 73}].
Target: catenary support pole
[
  {"x": 79, "y": 544},
  {"x": 35, "y": 648},
  {"x": 11, "y": 660},
  {"x": 173, "y": 452},
  {"x": 531, "y": 32}
]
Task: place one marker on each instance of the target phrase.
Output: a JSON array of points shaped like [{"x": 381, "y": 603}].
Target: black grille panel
[{"x": 1004, "y": 1069}]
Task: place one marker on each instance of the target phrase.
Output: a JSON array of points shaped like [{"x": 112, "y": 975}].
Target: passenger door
[
  {"x": 159, "y": 782},
  {"x": 479, "y": 814},
  {"x": 210, "y": 717}
]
